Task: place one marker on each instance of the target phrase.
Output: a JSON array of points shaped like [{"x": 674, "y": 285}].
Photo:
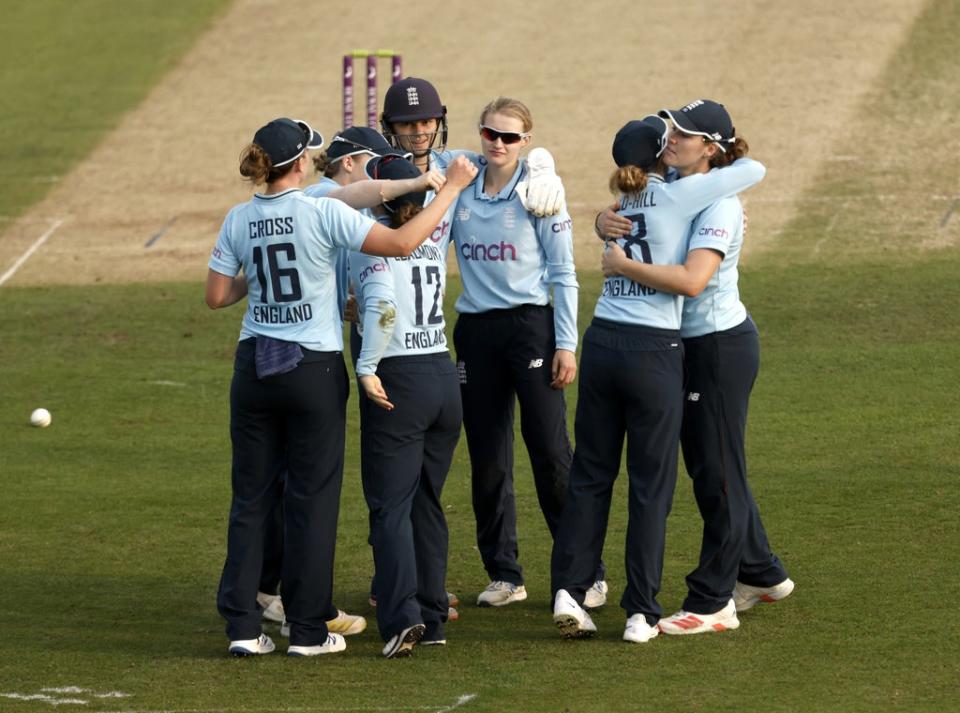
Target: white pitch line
[
  {"x": 42, "y": 698},
  {"x": 31, "y": 250},
  {"x": 461, "y": 701}
]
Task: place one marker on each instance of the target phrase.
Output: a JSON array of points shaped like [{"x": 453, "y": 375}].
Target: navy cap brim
[
  {"x": 681, "y": 121},
  {"x": 316, "y": 140}
]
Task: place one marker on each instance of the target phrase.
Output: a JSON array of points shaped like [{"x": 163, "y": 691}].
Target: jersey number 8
[{"x": 636, "y": 237}]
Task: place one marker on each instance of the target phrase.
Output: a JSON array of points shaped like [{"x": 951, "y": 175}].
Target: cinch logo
[
  {"x": 440, "y": 231},
  {"x": 714, "y": 232},
  {"x": 413, "y": 98},
  {"x": 560, "y": 227},
  {"x": 369, "y": 270},
  {"x": 693, "y": 105},
  {"x": 498, "y": 252}
]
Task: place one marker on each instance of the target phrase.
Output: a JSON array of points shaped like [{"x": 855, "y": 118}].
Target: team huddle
[{"x": 669, "y": 358}]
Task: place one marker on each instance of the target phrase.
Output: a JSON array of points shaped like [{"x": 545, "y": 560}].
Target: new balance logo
[
  {"x": 535, "y": 363},
  {"x": 693, "y": 396}
]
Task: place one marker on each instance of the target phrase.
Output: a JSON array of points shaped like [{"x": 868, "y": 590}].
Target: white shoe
[
  {"x": 402, "y": 644},
  {"x": 332, "y": 645},
  {"x": 596, "y": 596},
  {"x": 272, "y": 606},
  {"x": 498, "y": 594},
  {"x": 684, "y": 622},
  {"x": 252, "y": 647},
  {"x": 745, "y": 595},
  {"x": 572, "y": 620},
  {"x": 639, "y": 631},
  {"x": 346, "y": 624}
]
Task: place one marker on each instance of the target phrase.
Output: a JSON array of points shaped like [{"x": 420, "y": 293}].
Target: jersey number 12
[{"x": 433, "y": 277}]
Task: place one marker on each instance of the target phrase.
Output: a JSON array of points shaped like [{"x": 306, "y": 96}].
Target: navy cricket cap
[
  {"x": 640, "y": 143},
  {"x": 703, "y": 118},
  {"x": 284, "y": 140},
  {"x": 412, "y": 99},
  {"x": 394, "y": 167},
  {"x": 358, "y": 140}
]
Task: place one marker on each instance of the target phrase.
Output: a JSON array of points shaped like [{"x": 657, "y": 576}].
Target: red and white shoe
[
  {"x": 746, "y": 596},
  {"x": 684, "y": 622}
]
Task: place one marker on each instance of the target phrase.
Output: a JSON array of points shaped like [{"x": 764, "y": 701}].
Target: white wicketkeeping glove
[{"x": 541, "y": 190}]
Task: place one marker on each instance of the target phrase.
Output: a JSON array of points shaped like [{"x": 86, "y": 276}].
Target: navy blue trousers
[
  {"x": 631, "y": 385},
  {"x": 273, "y": 546},
  {"x": 405, "y": 457},
  {"x": 505, "y": 356},
  {"x": 299, "y": 416},
  {"x": 721, "y": 369}
]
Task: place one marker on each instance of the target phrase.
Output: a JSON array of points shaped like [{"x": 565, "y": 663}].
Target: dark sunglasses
[
  {"x": 340, "y": 140},
  {"x": 507, "y": 137}
]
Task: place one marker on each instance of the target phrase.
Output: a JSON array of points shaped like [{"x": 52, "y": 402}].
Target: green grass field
[{"x": 113, "y": 519}]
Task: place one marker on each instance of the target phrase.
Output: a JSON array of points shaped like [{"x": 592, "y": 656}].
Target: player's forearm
[
  {"x": 378, "y": 319},
  {"x": 675, "y": 279},
  {"x": 367, "y": 194},
  {"x": 223, "y": 290},
  {"x": 565, "y": 316},
  {"x": 411, "y": 234}
]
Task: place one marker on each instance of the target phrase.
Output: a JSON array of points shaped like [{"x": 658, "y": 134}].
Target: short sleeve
[
  {"x": 223, "y": 257},
  {"x": 344, "y": 226},
  {"x": 716, "y": 226}
]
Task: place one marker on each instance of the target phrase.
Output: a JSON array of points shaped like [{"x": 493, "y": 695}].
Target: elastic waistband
[
  {"x": 510, "y": 312},
  {"x": 430, "y": 358},
  {"x": 248, "y": 347},
  {"x": 745, "y": 328},
  {"x": 634, "y": 329}
]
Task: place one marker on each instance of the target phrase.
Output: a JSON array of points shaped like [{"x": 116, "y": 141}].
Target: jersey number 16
[{"x": 277, "y": 273}]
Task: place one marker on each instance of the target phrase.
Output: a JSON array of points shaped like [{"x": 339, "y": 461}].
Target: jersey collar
[
  {"x": 506, "y": 193},
  {"x": 275, "y": 196}
]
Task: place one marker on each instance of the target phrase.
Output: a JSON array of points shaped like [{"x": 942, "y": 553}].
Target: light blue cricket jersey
[
  {"x": 661, "y": 215},
  {"x": 718, "y": 307},
  {"x": 321, "y": 189},
  {"x": 439, "y": 161},
  {"x": 509, "y": 257},
  {"x": 287, "y": 246},
  {"x": 411, "y": 289}
]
